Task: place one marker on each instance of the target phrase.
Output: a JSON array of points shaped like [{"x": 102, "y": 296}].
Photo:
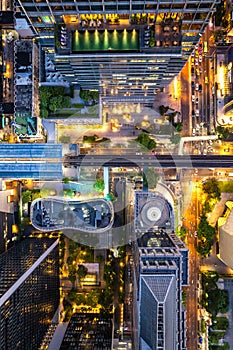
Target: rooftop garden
[
  {"x": 216, "y": 302},
  {"x": 25, "y": 124},
  {"x": 59, "y": 102}
]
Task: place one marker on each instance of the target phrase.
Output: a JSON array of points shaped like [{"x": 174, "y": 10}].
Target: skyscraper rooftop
[{"x": 126, "y": 49}]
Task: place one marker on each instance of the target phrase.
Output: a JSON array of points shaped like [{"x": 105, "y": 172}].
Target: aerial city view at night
[{"x": 116, "y": 175}]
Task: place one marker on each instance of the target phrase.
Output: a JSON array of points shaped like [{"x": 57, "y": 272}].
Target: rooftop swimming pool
[{"x": 105, "y": 40}]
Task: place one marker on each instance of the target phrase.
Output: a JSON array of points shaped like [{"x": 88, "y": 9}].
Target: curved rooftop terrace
[{"x": 92, "y": 216}]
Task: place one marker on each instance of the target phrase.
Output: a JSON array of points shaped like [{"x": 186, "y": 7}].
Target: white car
[
  {"x": 196, "y": 86},
  {"x": 197, "y": 113},
  {"x": 200, "y": 59},
  {"x": 193, "y": 98}
]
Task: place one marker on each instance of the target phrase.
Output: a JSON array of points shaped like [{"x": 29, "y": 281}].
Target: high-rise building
[
  {"x": 125, "y": 49},
  {"x": 29, "y": 292},
  {"x": 161, "y": 269},
  {"x": 6, "y": 62}
]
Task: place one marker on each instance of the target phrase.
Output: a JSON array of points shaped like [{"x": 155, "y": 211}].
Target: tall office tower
[
  {"x": 6, "y": 60},
  {"x": 161, "y": 261},
  {"x": 128, "y": 50},
  {"x": 29, "y": 292}
]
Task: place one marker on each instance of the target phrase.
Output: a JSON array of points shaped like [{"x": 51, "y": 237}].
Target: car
[
  {"x": 193, "y": 113},
  {"x": 206, "y": 80},
  {"x": 192, "y": 84},
  {"x": 194, "y": 131},
  {"x": 205, "y": 47},
  {"x": 192, "y": 70},
  {"x": 197, "y": 100},
  {"x": 200, "y": 88},
  {"x": 196, "y": 61},
  {"x": 197, "y": 71},
  {"x": 200, "y": 58},
  {"x": 196, "y": 86},
  {"x": 200, "y": 48},
  {"x": 197, "y": 113},
  {"x": 193, "y": 98}
]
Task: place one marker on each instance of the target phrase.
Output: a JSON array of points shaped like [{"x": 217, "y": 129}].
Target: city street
[{"x": 190, "y": 222}]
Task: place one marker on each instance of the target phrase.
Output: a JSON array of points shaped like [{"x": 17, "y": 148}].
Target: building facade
[
  {"x": 126, "y": 49},
  {"x": 161, "y": 269},
  {"x": 31, "y": 161},
  {"x": 29, "y": 292}
]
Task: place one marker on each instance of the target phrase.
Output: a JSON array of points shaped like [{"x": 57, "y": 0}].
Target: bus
[{"x": 205, "y": 48}]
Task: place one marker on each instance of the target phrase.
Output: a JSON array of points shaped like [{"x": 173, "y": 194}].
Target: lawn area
[
  {"x": 90, "y": 112},
  {"x": 226, "y": 186}
]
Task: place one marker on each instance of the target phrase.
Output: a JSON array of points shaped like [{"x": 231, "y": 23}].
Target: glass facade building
[
  {"x": 165, "y": 33},
  {"x": 33, "y": 161},
  {"x": 29, "y": 292},
  {"x": 161, "y": 270}
]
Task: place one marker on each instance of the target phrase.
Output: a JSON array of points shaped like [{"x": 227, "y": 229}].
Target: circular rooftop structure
[{"x": 155, "y": 212}]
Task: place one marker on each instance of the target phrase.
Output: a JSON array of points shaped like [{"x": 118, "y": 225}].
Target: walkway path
[{"x": 58, "y": 336}]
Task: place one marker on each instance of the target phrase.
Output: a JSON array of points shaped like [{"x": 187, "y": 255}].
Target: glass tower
[
  {"x": 128, "y": 50},
  {"x": 29, "y": 292}
]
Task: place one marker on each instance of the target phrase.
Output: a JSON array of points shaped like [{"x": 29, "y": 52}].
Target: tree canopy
[
  {"x": 145, "y": 140},
  {"x": 99, "y": 185},
  {"x": 205, "y": 233},
  {"x": 211, "y": 188},
  {"x": 53, "y": 98},
  {"x": 82, "y": 271}
]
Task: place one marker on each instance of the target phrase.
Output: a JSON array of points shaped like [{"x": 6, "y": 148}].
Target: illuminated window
[{"x": 47, "y": 19}]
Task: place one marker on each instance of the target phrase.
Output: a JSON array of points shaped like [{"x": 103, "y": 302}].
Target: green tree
[
  {"x": 66, "y": 180},
  {"x": 66, "y": 102},
  {"x": 55, "y": 103},
  {"x": 163, "y": 109},
  {"x": 99, "y": 185},
  {"x": 93, "y": 298},
  {"x": 211, "y": 188},
  {"x": 72, "y": 273},
  {"x": 26, "y": 196},
  {"x": 221, "y": 323},
  {"x": 223, "y": 132},
  {"x": 182, "y": 232},
  {"x": 145, "y": 140},
  {"x": 45, "y": 95},
  {"x": 110, "y": 197},
  {"x": 178, "y": 127},
  {"x": 151, "y": 144},
  {"x": 82, "y": 271},
  {"x": 67, "y": 193},
  {"x": 44, "y": 113}
]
